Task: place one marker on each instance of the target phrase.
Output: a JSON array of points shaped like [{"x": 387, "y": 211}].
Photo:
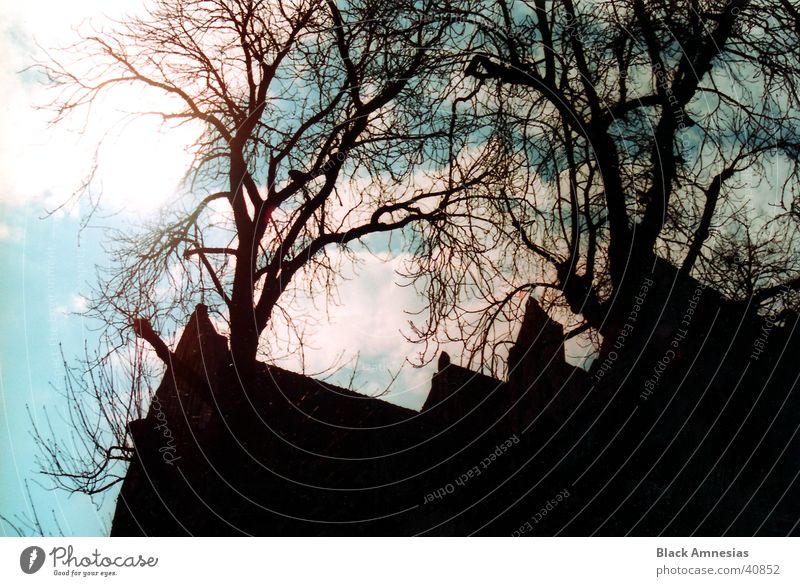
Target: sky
[
  {"x": 45, "y": 267},
  {"x": 48, "y": 263}
]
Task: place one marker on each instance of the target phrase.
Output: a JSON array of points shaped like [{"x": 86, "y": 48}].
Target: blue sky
[
  {"x": 46, "y": 265},
  {"x": 43, "y": 267}
]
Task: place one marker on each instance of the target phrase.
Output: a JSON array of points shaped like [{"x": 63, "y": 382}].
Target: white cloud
[
  {"x": 140, "y": 166},
  {"x": 368, "y": 322},
  {"x": 78, "y": 303},
  {"x": 11, "y": 233}
]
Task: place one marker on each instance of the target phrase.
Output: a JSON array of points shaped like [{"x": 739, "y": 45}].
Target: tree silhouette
[
  {"x": 625, "y": 132},
  {"x": 318, "y": 122},
  {"x": 313, "y": 121}
]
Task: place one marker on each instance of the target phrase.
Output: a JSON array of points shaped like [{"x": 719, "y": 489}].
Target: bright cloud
[
  {"x": 140, "y": 166},
  {"x": 10, "y": 232},
  {"x": 363, "y": 332}
]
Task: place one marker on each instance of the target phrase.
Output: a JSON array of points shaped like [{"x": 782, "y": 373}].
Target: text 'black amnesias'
[{"x": 663, "y": 552}]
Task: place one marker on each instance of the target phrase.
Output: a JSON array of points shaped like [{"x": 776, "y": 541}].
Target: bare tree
[
  {"x": 314, "y": 124},
  {"x": 625, "y": 132},
  {"x": 29, "y": 522},
  {"x": 318, "y": 123},
  {"x": 101, "y": 394}
]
